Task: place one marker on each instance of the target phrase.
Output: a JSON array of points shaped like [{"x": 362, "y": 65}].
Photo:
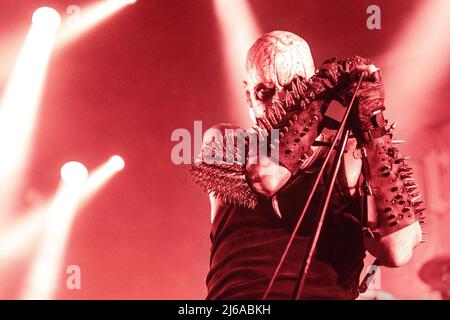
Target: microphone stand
[{"x": 342, "y": 137}]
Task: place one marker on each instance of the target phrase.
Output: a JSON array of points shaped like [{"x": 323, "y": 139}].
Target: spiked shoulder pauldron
[{"x": 220, "y": 169}]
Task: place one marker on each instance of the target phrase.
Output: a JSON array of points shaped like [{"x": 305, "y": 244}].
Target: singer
[{"x": 255, "y": 202}]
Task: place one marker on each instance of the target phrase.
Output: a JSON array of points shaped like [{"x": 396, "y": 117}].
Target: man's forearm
[{"x": 393, "y": 203}]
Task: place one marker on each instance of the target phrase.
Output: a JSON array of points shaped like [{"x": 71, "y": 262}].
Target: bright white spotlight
[
  {"x": 20, "y": 102},
  {"x": 117, "y": 162},
  {"x": 74, "y": 173},
  {"x": 46, "y": 17}
]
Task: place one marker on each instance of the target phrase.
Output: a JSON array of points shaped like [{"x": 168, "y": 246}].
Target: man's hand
[{"x": 367, "y": 115}]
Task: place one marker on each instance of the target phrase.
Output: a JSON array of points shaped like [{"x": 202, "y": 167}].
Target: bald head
[
  {"x": 278, "y": 56},
  {"x": 273, "y": 62}
]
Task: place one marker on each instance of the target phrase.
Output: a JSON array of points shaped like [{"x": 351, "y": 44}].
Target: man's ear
[{"x": 245, "y": 85}]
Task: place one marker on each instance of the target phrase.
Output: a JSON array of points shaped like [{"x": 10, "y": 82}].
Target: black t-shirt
[{"x": 247, "y": 245}]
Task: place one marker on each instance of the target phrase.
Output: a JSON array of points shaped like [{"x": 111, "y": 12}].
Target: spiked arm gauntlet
[
  {"x": 310, "y": 99},
  {"x": 389, "y": 185}
]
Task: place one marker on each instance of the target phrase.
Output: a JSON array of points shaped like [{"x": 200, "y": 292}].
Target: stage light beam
[
  {"x": 42, "y": 279},
  {"x": 100, "y": 176},
  {"x": 74, "y": 192},
  {"x": 239, "y": 29},
  {"x": 89, "y": 17},
  {"x": 17, "y": 237},
  {"x": 19, "y": 104},
  {"x": 416, "y": 65}
]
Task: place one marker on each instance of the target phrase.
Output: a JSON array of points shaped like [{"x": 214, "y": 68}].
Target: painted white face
[{"x": 272, "y": 64}]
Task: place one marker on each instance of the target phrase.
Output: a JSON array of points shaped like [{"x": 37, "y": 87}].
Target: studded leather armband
[
  {"x": 389, "y": 183},
  {"x": 297, "y": 135}
]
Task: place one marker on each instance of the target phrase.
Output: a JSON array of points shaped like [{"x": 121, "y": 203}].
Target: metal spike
[
  {"x": 277, "y": 112},
  {"x": 393, "y": 125},
  {"x": 289, "y": 100},
  {"x": 397, "y": 141},
  {"x": 272, "y": 118},
  {"x": 402, "y": 159},
  {"x": 275, "y": 206},
  {"x": 299, "y": 85},
  {"x": 415, "y": 198},
  {"x": 279, "y": 106},
  {"x": 266, "y": 123},
  {"x": 303, "y": 105},
  {"x": 295, "y": 91},
  {"x": 418, "y": 203}
]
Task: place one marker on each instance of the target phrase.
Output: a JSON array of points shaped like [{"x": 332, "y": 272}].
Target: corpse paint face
[{"x": 275, "y": 60}]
